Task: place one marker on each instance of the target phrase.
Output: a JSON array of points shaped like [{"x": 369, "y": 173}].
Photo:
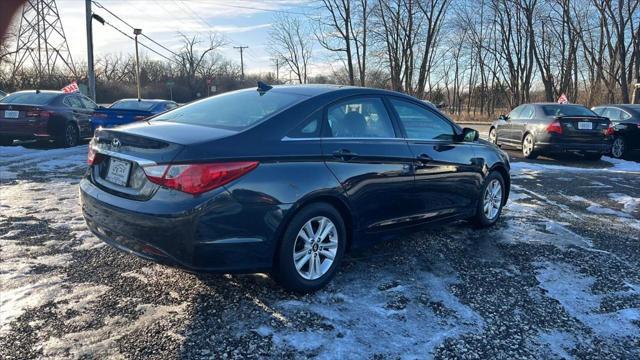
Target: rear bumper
[
  {"x": 550, "y": 147},
  {"x": 24, "y": 129},
  {"x": 217, "y": 234}
]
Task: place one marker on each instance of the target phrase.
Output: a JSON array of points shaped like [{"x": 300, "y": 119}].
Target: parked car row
[
  {"x": 67, "y": 117},
  {"x": 550, "y": 128}
]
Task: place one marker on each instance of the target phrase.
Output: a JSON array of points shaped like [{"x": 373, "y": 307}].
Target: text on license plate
[
  {"x": 11, "y": 114},
  {"x": 118, "y": 172},
  {"x": 585, "y": 125}
]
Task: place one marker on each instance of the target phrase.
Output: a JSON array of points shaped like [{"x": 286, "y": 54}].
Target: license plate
[
  {"x": 585, "y": 125},
  {"x": 118, "y": 171},
  {"x": 11, "y": 114}
]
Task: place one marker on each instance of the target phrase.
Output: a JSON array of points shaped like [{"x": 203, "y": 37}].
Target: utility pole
[
  {"x": 277, "y": 69},
  {"x": 241, "y": 59},
  {"x": 91, "y": 74},
  {"x": 137, "y": 32}
]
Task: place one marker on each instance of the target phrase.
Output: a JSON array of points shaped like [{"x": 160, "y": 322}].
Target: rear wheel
[
  {"x": 70, "y": 136},
  {"x": 491, "y": 200},
  {"x": 312, "y": 248},
  {"x": 5, "y": 141},
  {"x": 619, "y": 148},
  {"x": 528, "y": 146}
]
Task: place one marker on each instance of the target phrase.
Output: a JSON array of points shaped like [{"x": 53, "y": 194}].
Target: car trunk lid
[
  {"x": 584, "y": 128},
  {"x": 122, "y": 153}
]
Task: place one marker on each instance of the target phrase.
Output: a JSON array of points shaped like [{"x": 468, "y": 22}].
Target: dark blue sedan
[
  {"x": 286, "y": 179},
  {"x": 126, "y": 111}
]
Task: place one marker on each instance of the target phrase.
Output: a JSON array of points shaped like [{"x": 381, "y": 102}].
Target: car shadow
[
  {"x": 43, "y": 145},
  {"x": 569, "y": 159}
]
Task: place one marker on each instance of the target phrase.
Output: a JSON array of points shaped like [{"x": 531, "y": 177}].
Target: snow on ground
[{"x": 557, "y": 277}]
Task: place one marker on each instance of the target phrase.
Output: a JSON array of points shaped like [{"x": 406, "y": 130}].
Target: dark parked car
[
  {"x": 44, "y": 115},
  {"x": 126, "y": 111},
  {"x": 286, "y": 179},
  {"x": 626, "y": 124},
  {"x": 549, "y": 128}
]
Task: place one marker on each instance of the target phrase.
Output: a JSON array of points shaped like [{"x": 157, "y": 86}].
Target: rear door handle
[{"x": 344, "y": 154}]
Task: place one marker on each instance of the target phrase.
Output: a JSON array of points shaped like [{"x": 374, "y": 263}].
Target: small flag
[
  {"x": 563, "y": 99},
  {"x": 71, "y": 88}
]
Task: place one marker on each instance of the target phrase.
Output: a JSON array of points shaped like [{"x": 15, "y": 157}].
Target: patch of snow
[
  {"x": 559, "y": 343},
  {"x": 629, "y": 204},
  {"x": 572, "y": 290}
]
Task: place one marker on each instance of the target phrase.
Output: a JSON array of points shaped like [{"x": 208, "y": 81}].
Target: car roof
[
  {"x": 311, "y": 90},
  {"x": 148, "y": 100},
  {"x": 40, "y": 91}
]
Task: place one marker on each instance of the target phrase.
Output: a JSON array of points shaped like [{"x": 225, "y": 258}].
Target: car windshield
[
  {"x": 236, "y": 110},
  {"x": 133, "y": 105},
  {"x": 567, "y": 110},
  {"x": 30, "y": 98}
]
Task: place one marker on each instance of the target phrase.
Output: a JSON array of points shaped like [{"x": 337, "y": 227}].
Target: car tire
[
  {"x": 619, "y": 148},
  {"x": 5, "y": 141},
  {"x": 592, "y": 156},
  {"x": 70, "y": 136},
  {"x": 493, "y": 136},
  {"x": 294, "y": 268},
  {"x": 528, "y": 147},
  {"x": 491, "y": 200}
]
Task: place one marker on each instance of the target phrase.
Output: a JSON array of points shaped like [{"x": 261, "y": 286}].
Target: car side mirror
[
  {"x": 503, "y": 117},
  {"x": 470, "y": 135}
]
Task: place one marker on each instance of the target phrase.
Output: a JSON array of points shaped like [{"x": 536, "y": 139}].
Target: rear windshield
[
  {"x": 133, "y": 105},
  {"x": 567, "y": 110},
  {"x": 29, "y": 98},
  {"x": 236, "y": 110}
]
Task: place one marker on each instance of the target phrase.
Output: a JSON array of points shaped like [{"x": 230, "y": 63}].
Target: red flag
[
  {"x": 73, "y": 87},
  {"x": 563, "y": 99}
]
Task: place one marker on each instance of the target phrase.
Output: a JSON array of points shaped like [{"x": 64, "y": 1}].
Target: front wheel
[
  {"x": 311, "y": 249},
  {"x": 491, "y": 201},
  {"x": 619, "y": 148},
  {"x": 528, "y": 146},
  {"x": 493, "y": 136}
]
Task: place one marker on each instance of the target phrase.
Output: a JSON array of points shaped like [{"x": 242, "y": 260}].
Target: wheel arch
[
  {"x": 336, "y": 201},
  {"x": 502, "y": 170}
]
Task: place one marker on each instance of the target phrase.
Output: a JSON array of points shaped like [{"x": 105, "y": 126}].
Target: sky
[{"x": 240, "y": 22}]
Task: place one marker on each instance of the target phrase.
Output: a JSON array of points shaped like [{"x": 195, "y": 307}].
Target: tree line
[{"x": 477, "y": 57}]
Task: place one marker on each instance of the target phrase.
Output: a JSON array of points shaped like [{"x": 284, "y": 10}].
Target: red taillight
[
  {"x": 197, "y": 178},
  {"x": 38, "y": 113},
  {"x": 93, "y": 157},
  {"x": 555, "y": 127},
  {"x": 610, "y": 130}
]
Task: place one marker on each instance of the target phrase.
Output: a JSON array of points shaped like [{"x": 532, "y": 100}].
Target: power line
[
  {"x": 256, "y": 8},
  {"x": 141, "y": 44},
  {"x": 132, "y": 27}
]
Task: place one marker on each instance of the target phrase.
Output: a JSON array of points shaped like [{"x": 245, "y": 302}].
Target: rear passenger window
[
  {"x": 74, "y": 102},
  {"x": 527, "y": 112},
  {"x": 309, "y": 128},
  {"x": 420, "y": 123},
  {"x": 360, "y": 118}
]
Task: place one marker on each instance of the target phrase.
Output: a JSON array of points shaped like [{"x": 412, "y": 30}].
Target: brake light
[
  {"x": 610, "y": 130},
  {"x": 93, "y": 157},
  {"x": 40, "y": 114},
  {"x": 555, "y": 127},
  {"x": 197, "y": 178}
]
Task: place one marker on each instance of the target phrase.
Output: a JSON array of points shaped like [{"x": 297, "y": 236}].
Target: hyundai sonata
[{"x": 286, "y": 179}]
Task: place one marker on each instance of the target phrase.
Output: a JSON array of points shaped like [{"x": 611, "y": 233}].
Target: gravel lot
[{"x": 558, "y": 277}]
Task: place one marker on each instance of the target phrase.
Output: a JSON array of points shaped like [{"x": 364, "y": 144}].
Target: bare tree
[
  {"x": 289, "y": 41},
  {"x": 193, "y": 56}
]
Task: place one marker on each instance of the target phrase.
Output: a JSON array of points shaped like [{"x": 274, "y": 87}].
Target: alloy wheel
[
  {"x": 617, "y": 149},
  {"x": 527, "y": 145},
  {"x": 315, "y": 247},
  {"x": 71, "y": 135},
  {"x": 493, "y": 136},
  {"x": 492, "y": 199}
]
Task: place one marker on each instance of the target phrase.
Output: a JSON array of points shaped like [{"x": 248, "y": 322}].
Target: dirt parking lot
[{"x": 558, "y": 277}]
